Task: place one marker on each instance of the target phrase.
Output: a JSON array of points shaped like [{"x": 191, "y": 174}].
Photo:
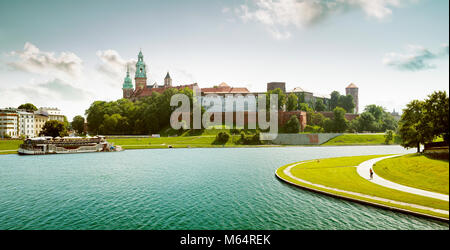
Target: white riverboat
[{"x": 66, "y": 145}]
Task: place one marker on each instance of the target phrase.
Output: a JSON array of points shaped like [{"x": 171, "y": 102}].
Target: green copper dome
[
  {"x": 127, "y": 83},
  {"x": 140, "y": 66}
]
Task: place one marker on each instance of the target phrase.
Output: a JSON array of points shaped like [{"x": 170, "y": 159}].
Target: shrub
[
  {"x": 250, "y": 139},
  {"x": 388, "y": 137},
  {"x": 313, "y": 129},
  {"x": 222, "y": 138},
  {"x": 292, "y": 126}
]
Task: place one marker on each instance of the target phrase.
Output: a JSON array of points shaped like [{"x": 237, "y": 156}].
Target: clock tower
[{"x": 141, "y": 75}]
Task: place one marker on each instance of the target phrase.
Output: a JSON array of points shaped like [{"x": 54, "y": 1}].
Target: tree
[
  {"x": 281, "y": 98},
  {"x": 28, "y": 107},
  {"x": 388, "y": 137},
  {"x": 315, "y": 119},
  {"x": 334, "y": 100},
  {"x": 366, "y": 122},
  {"x": 293, "y": 125},
  {"x": 305, "y": 107},
  {"x": 346, "y": 102},
  {"x": 436, "y": 112},
  {"x": 78, "y": 124},
  {"x": 67, "y": 123},
  {"x": 292, "y": 102},
  {"x": 340, "y": 123},
  {"x": 413, "y": 129},
  {"x": 378, "y": 121},
  {"x": 376, "y": 111},
  {"x": 320, "y": 106},
  {"x": 54, "y": 128}
]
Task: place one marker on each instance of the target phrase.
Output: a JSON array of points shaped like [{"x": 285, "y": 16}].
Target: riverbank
[
  {"x": 206, "y": 140},
  {"x": 357, "y": 140},
  {"x": 338, "y": 177}
]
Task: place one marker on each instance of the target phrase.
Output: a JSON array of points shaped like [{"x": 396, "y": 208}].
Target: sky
[{"x": 68, "y": 53}]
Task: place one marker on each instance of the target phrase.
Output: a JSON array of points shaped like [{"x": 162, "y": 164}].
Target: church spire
[
  {"x": 167, "y": 81},
  {"x": 140, "y": 66},
  {"x": 127, "y": 82}
]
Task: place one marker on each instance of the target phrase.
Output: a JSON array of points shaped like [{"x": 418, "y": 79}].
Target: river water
[{"x": 229, "y": 188}]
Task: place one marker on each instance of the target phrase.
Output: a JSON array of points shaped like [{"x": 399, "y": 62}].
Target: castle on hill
[{"x": 142, "y": 89}]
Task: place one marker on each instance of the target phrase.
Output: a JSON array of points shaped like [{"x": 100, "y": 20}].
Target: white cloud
[
  {"x": 32, "y": 59},
  {"x": 113, "y": 65},
  {"x": 416, "y": 58},
  {"x": 61, "y": 81},
  {"x": 279, "y": 15}
]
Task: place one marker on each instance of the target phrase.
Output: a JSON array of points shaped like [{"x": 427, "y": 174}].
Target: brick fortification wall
[{"x": 252, "y": 117}]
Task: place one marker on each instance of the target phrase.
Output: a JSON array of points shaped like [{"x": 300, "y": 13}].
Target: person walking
[{"x": 371, "y": 174}]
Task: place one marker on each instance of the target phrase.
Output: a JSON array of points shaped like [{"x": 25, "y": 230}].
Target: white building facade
[
  {"x": 53, "y": 114},
  {"x": 26, "y": 124},
  {"x": 8, "y": 123}
]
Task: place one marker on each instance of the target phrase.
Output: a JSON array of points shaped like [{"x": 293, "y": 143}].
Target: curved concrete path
[
  {"x": 364, "y": 172},
  {"x": 287, "y": 172}
]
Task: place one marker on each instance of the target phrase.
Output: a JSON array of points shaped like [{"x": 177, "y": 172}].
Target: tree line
[
  {"x": 297, "y": 101},
  {"x": 148, "y": 115}
]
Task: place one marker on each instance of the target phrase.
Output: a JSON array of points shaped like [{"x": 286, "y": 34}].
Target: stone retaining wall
[{"x": 304, "y": 139}]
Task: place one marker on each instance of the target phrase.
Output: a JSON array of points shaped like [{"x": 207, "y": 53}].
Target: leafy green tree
[
  {"x": 305, "y": 107},
  {"x": 376, "y": 111},
  {"x": 366, "y": 122},
  {"x": 28, "y": 107},
  {"x": 78, "y": 124},
  {"x": 328, "y": 125},
  {"x": 413, "y": 128},
  {"x": 340, "y": 123},
  {"x": 293, "y": 125},
  {"x": 346, "y": 102},
  {"x": 54, "y": 128},
  {"x": 281, "y": 98},
  {"x": 437, "y": 113},
  {"x": 388, "y": 137},
  {"x": 388, "y": 122},
  {"x": 381, "y": 121},
  {"x": 320, "y": 106},
  {"x": 334, "y": 100},
  {"x": 315, "y": 119},
  {"x": 301, "y": 97},
  {"x": 292, "y": 102}
]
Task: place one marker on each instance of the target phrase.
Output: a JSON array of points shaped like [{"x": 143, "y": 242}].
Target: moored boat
[{"x": 66, "y": 145}]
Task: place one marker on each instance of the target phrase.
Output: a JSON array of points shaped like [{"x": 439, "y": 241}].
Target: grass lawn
[
  {"x": 7, "y": 145},
  {"x": 204, "y": 141},
  {"x": 340, "y": 173},
  {"x": 356, "y": 139},
  {"x": 416, "y": 171}
]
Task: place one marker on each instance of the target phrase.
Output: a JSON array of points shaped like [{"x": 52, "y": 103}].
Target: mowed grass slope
[
  {"x": 9, "y": 146},
  {"x": 416, "y": 171},
  {"x": 203, "y": 141},
  {"x": 356, "y": 139},
  {"x": 340, "y": 173}
]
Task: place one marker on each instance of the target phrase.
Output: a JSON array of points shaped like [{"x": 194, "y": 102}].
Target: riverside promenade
[{"x": 363, "y": 171}]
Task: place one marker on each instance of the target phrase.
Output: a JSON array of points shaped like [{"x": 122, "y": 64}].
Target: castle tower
[
  {"x": 141, "y": 75},
  {"x": 127, "y": 86},
  {"x": 168, "y": 81},
  {"x": 353, "y": 91}
]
